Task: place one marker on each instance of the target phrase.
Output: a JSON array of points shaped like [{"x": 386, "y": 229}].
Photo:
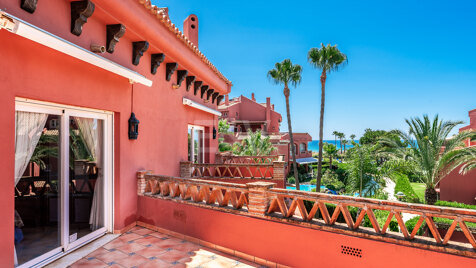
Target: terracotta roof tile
[{"x": 162, "y": 16}]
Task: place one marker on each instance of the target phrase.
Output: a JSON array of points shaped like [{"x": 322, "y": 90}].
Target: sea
[{"x": 314, "y": 145}]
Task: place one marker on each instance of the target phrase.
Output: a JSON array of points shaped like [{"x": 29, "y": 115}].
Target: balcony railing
[
  {"x": 234, "y": 159},
  {"x": 261, "y": 168},
  {"x": 311, "y": 210},
  {"x": 221, "y": 194}
]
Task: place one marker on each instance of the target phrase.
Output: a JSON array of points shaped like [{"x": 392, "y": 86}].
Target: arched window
[{"x": 302, "y": 148}]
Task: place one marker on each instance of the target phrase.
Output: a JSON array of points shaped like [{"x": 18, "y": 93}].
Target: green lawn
[{"x": 419, "y": 189}]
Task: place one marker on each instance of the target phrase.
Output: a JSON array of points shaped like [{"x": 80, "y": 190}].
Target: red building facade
[
  {"x": 245, "y": 114},
  {"x": 52, "y": 82},
  {"x": 457, "y": 187}
]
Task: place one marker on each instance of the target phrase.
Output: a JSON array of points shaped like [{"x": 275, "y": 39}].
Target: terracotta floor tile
[
  {"x": 130, "y": 237},
  {"x": 131, "y": 261},
  {"x": 172, "y": 256},
  {"x": 129, "y": 248},
  {"x": 150, "y": 240},
  {"x": 142, "y": 231},
  {"x": 155, "y": 264},
  {"x": 150, "y": 252},
  {"x": 187, "y": 246},
  {"x": 196, "y": 260},
  {"x": 168, "y": 243},
  {"x": 159, "y": 235},
  {"x": 85, "y": 263},
  {"x": 97, "y": 252},
  {"x": 219, "y": 264},
  {"x": 113, "y": 256},
  {"x": 115, "y": 244}
]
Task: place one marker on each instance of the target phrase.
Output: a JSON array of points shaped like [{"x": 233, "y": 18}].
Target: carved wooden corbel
[
  {"x": 215, "y": 96},
  {"x": 156, "y": 60},
  {"x": 219, "y": 99},
  {"x": 170, "y": 69},
  {"x": 80, "y": 12},
  {"x": 138, "y": 50},
  {"x": 29, "y": 5},
  {"x": 181, "y": 74},
  {"x": 203, "y": 90},
  {"x": 209, "y": 93},
  {"x": 114, "y": 33},
  {"x": 189, "y": 81},
  {"x": 197, "y": 85}
]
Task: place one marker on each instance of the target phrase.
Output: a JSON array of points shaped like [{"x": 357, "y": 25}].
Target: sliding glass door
[
  {"x": 63, "y": 185},
  {"x": 196, "y": 144}
]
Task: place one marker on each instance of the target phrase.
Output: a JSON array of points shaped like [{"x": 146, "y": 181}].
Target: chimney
[
  {"x": 253, "y": 96},
  {"x": 268, "y": 114},
  {"x": 190, "y": 29},
  {"x": 227, "y": 100}
]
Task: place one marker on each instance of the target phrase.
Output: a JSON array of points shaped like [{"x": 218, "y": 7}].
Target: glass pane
[
  {"x": 37, "y": 185},
  {"x": 189, "y": 144},
  {"x": 198, "y": 141},
  {"x": 86, "y": 185}
]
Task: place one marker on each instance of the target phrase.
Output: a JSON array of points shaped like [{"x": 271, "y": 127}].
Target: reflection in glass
[
  {"x": 37, "y": 187},
  {"x": 86, "y": 192}
]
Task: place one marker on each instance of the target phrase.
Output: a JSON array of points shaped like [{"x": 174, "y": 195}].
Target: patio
[{"x": 143, "y": 248}]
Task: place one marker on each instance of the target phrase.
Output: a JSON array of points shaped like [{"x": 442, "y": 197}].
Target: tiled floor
[{"x": 144, "y": 248}]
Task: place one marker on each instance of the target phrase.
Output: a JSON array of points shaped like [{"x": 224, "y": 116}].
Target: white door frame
[
  {"x": 65, "y": 112},
  {"x": 193, "y": 128}
]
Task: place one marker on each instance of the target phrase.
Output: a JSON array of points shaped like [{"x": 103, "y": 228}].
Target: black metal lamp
[
  {"x": 133, "y": 127},
  {"x": 214, "y": 133},
  {"x": 133, "y": 121}
]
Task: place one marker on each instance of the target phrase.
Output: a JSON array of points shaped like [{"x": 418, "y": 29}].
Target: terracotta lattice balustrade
[
  {"x": 242, "y": 171},
  {"x": 234, "y": 159},
  {"x": 306, "y": 209}
]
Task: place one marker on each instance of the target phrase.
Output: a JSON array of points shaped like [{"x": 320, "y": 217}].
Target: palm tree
[
  {"x": 352, "y": 137},
  {"x": 331, "y": 151},
  {"x": 327, "y": 58},
  {"x": 335, "y": 133},
  {"x": 344, "y": 143},
  {"x": 254, "y": 145},
  {"x": 287, "y": 73},
  {"x": 432, "y": 153}
]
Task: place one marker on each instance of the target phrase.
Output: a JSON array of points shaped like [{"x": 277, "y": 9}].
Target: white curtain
[
  {"x": 28, "y": 130},
  {"x": 92, "y": 134}
]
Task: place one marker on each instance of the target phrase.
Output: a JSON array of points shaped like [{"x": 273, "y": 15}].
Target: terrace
[{"x": 258, "y": 223}]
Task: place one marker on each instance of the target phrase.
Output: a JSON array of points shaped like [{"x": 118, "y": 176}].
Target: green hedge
[
  {"x": 454, "y": 205},
  {"x": 403, "y": 185},
  {"x": 380, "y": 215},
  {"x": 410, "y": 224}
]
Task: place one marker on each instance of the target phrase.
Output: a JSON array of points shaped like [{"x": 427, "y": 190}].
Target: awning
[{"x": 308, "y": 160}]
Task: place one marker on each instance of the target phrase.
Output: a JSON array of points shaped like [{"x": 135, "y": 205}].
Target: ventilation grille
[{"x": 357, "y": 252}]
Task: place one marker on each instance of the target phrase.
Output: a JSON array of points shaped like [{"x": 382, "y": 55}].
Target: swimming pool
[{"x": 305, "y": 187}]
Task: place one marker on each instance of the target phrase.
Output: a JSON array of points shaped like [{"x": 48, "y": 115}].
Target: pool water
[{"x": 305, "y": 187}]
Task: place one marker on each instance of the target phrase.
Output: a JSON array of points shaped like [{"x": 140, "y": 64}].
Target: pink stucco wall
[{"x": 33, "y": 71}]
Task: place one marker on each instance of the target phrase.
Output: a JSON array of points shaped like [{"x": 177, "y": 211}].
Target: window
[
  {"x": 302, "y": 148},
  {"x": 196, "y": 144}
]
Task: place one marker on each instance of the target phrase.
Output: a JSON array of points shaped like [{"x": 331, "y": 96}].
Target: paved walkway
[
  {"x": 390, "y": 190},
  {"x": 144, "y": 248}
]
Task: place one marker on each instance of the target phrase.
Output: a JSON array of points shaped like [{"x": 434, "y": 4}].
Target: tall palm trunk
[
  {"x": 296, "y": 174},
  {"x": 431, "y": 196},
  {"x": 321, "y": 130}
]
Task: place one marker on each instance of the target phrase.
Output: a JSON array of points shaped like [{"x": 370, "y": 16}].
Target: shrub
[
  {"x": 410, "y": 224},
  {"x": 381, "y": 216},
  {"x": 331, "y": 181},
  {"x": 313, "y": 181},
  {"x": 454, "y": 204},
  {"x": 291, "y": 180},
  {"x": 403, "y": 185}
]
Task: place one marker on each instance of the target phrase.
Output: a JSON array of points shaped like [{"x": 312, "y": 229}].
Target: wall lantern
[
  {"x": 133, "y": 127},
  {"x": 133, "y": 121},
  {"x": 214, "y": 133}
]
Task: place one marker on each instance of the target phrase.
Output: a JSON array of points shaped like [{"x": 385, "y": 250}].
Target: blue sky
[{"x": 406, "y": 58}]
